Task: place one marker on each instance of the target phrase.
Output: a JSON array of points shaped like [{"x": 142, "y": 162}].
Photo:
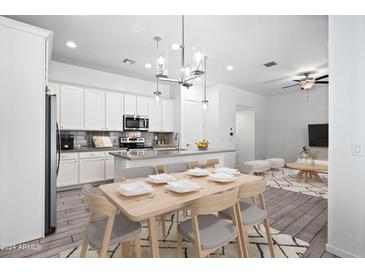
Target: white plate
[
  {"x": 183, "y": 186},
  {"x": 227, "y": 170},
  {"x": 137, "y": 188},
  {"x": 198, "y": 172},
  {"x": 160, "y": 178},
  {"x": 221, "y": 178}
]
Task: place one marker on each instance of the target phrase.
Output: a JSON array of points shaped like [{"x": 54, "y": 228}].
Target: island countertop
[{"x": 154, "y": 154}]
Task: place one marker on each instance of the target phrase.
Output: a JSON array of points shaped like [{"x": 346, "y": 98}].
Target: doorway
[{"x": 245, "y": 135}]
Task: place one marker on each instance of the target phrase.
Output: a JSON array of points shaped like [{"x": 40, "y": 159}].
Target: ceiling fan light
[{"x": 307, "y": 84}]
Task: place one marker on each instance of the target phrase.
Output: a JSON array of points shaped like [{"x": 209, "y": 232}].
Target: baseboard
[{"x": 339, "y": 252}]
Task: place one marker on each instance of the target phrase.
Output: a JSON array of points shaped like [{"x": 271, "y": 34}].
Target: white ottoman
[
  {"x": 276, "y": 163},
  {"x": 259, "y": 166}
]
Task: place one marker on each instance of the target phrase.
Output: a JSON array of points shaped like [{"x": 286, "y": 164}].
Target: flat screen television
[{"x": 318, "y": 135}]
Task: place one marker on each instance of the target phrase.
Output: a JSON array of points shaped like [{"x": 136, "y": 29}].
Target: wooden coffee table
[{"x": 308, "y": 171}]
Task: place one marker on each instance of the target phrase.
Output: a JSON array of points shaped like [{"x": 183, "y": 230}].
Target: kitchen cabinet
[
  {"x": 130, "y": 104},
  {"x": 71, "y": 107},
  {"x": 92, "y": 167},
  {"x": 114, "y": 111},
  {"x": 68, "y": 173},
  {"x": 155, "y": 115},
  {"x": 142, "y": 106},
  {"x": 109, "y": 168},
  {"x": 94, "y": 106},
  {"x": 168, "y": 115},
  {"x": 56, "y": 90}
]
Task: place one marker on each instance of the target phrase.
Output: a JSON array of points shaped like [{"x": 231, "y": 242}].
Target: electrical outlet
[{"x": 357, "y": 149}]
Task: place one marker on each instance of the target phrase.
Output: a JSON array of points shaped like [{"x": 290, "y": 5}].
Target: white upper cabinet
[
  {"x": 56, "y": 90},
  {"x": 142, "y": 105},
  {"x": 155, "y": 115},
  {"x": 94, "y": 105},
  {"x": 114, "y": 111},
  {"x": 72, "y": 107},
  {"x": 168, "y": 115},
  {"x": 130, "y": 104}
]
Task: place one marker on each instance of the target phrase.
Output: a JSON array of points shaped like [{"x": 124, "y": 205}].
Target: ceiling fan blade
[
  {"x": 291, "y": 86},
  {"x": 321, "y": 77},
  {"x": 321, "y": 82},
  {"x": 297, "y": 80}
]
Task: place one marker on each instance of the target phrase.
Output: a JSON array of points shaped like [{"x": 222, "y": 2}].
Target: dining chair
[
  {"x": 207, "y": 231},
  {"x": 139, "y": 172},
  {"x": 176, "y": 167},
  {"x": 106, "y": 226},
  {"x": 251, "y": 214},
  {"x": 193, "y": 164},
  {"x": 211, "y": 163}
]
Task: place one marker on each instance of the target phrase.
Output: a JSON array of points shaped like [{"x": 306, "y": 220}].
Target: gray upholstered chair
[
  {"x": 106, "y": 227},
  {"x": 176, "y": 167},
  {"x": 207, "y": 231},
  {"x": 139, "y": 172},
  {"x": 252, "y": 214}
]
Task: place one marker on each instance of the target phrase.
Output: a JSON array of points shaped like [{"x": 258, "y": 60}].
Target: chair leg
[
  {"x": 179, "y": 245},
  {"x": 137, "y": 246},
  {"x": 269, "y": 238},
  {"x": 126, "y": 249},
  {"x": 85, "y": 245},
  {"x": 177, "y": 216},
  {"x": 163, "y": 226}
]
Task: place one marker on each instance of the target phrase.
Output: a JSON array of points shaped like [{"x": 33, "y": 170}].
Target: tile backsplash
[{"x": 85, "y": 138}]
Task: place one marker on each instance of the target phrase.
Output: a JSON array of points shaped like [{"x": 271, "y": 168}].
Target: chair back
[
  {"x": 252, "y": 189},
  {"x": 98, "y": 204},
  {"x": 211, "y": 163},
  {"x": 160, "y": 169},
  {"x": 193, "y": 164},
  {"x": 139, "y": 172},
  {"x": 176, "y": 167},
  {"x": 215, "y": 202}
]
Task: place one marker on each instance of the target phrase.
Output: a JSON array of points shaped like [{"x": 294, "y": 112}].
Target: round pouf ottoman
[
  {"x": 276, "y": 163},
  {"x": 259, "y": 166}
]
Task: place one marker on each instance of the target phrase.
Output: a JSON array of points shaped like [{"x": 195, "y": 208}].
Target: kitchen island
[{"x": 126, "y": 159}]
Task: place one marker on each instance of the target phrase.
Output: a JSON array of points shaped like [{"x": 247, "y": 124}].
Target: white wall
[
  {"x": 288, "y": 118},
  {"x": 346, "y": 203},
  {"x": 62, "y": 72}
]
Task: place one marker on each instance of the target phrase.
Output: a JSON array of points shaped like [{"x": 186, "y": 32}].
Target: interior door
[{"x": 193, "y": 123}]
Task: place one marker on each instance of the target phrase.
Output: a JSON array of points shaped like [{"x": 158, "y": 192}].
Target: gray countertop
[
  {"x": 153, "y": 154},
  {"x": 91, "y": 149}
]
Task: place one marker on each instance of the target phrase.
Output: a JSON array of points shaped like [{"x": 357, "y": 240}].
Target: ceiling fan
[{"x": 308, "y": 82}]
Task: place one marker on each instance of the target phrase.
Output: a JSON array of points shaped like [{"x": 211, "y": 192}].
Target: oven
[{"x": 135, "y": 122}]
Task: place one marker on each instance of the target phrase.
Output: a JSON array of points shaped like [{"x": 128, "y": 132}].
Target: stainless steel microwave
[{"x": 135, "y": 122}]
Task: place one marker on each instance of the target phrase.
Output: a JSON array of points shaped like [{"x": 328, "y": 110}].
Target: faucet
[{"x": 177, "y": 140}]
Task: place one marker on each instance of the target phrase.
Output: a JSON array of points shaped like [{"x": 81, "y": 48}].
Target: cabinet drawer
[
  {"x": 68, "y": 156},
  {"x": 92, "y": 154}
]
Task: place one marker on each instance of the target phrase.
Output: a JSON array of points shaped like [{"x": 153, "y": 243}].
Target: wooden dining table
[{"x": 150, "y": 206}]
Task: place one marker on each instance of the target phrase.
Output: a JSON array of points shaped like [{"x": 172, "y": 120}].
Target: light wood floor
[{"x": 299, "y": 215}]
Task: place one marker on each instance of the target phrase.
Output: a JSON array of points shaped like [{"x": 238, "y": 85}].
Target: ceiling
[{"x": 297, "y": 43}]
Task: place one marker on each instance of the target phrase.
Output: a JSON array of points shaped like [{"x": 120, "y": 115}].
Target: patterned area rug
[
  {"x": 285, "y": 246},
  {"x": 286, "y": 179}
]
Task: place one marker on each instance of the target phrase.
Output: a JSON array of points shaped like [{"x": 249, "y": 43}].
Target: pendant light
[
  {"x": 161, "y": 68},
  {"x": 205, "y": 101}
]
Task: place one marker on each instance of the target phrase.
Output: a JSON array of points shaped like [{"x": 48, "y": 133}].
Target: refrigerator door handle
[{"x": 58, "y": 148}]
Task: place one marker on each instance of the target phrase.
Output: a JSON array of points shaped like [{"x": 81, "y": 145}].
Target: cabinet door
[
  {"x": 71, "y": 107},
  {"x": 91, "y": 170},
  {"x": 168, "y": 115},
  {"x": 109, "y": 168},
  {"x": 68, "y": 173},
  {"x": 142, "y": 105},
  {"x": 130, "y": 104},
  {"x": 155, "y": 115},
  {"x": 94, "y": 105},
  {"x": 114, "y": 111},
  {"x": 56, "y": 90}
]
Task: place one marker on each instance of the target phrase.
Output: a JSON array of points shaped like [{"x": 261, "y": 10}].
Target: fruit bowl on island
[{"x": 202, "y": 144}]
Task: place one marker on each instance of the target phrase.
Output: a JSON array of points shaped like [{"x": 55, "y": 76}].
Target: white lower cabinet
[
  {"x": 109, "y": 168},
  {"x": 68, "y": 173},
  {"x": 92, "y": 169}
]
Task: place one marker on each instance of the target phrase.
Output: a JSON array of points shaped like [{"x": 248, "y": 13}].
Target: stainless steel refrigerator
[{"x": 52, "y": 164}]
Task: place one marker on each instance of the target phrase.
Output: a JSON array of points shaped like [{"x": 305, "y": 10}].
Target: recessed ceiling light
[
  {"x": 229, "y": 67},
  {"x": 148, "y": 65},
  {"x": 175, "y": 46},
  {"x": 71, "y": 44}
]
